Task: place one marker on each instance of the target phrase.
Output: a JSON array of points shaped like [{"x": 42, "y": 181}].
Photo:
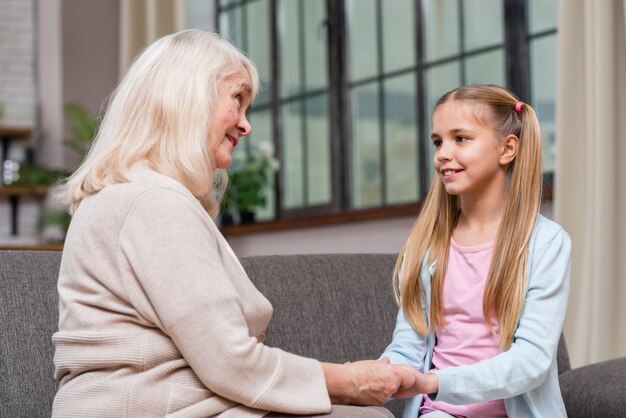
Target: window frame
[{"x": 516, "y": 45}]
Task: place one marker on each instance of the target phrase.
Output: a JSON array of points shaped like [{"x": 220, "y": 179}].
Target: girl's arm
[
  {"x": 532, "y": 355},
  {"x": 407, "y": 346}
]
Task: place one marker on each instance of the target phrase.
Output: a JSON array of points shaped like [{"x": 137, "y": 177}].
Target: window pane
[
  {"x": 231, "y": 24},
  {"x": 441, "y": 21},
  {"x": 259, "y": 45},
  {"x": 289, "y": 35},
  {"x": 261, "y": 139},
  {"x": 224, "y": 3},
  {"x": 398, "y": 35},
  {"x": 318, "y": 151},
  {"x": 361, "y": 16},
  {"x": 543, "y": 84},
  {"x": 315, "y": 44},
  {"x": 486, "y": 68},
  {"x": 439, "y": 80},
  {"x": 199, "y": 14},
  {"x": 542, "y": 15},
  {"x": 366, "y": 178},
  {"x": 484, "y": 21},
  {"x": 292, "y": 168},
  {"x": 401, "y": 139}
]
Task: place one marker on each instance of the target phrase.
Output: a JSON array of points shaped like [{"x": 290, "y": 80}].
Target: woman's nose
[{"x": 244, "y": 126}]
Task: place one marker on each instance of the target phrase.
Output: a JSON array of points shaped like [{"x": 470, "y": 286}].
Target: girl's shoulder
[{"x": 546, "y": 231}]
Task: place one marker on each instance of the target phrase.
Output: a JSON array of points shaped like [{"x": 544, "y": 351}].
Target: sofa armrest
[{"x": 595, "y": 390}]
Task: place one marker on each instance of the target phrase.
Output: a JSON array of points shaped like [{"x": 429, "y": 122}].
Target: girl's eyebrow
[{"x": 452, "y": 132}]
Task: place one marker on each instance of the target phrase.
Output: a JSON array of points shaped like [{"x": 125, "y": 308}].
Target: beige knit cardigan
[{"x": 158, "y": 318}]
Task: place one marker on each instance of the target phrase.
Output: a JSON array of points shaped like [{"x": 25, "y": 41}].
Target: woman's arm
[
  {"x": 184, "y": 289},
  {"x": 367, "y": 382},
  {"x": 178, "y": 281}
]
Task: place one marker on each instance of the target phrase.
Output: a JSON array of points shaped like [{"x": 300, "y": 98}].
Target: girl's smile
[{"x": 467, "y": 152}]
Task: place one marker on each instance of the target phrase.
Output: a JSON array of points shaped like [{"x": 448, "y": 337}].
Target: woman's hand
[{"x": 367, "y": 382}]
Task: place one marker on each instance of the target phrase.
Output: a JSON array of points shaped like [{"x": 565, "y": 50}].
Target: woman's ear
[{"x": 508, "y": 149}]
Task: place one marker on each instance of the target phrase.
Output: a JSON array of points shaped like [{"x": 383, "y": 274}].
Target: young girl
[{"x": 483, "y": 279}]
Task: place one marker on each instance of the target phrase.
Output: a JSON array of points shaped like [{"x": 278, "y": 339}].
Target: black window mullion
[
  {"x": 303, "y": 107},
  {"x": 462, "y": 41},
  {"x": 338, "y": 107},
  {"x": 277, "y": 120},
  {"x": 516, "y": 47},
  {"x": 421, "y": 105},
  {"x": 381, "y": 104}
]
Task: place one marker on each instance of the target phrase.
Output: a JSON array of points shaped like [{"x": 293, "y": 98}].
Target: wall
[
  {"x": 17, "y": 62},
  {"x": 380, "y": 236},
  {"x": 18, "y": 94},
  {"x": 90, "y": 55},
  {"x": 61, "y": 51}
]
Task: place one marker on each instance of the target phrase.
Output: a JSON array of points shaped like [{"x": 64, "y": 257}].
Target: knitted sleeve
[{"x": 176, "y": 261}]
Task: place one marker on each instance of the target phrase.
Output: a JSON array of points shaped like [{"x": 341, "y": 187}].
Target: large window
[{"x": 349, "y": 85}]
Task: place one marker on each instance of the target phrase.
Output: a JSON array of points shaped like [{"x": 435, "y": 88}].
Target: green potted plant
[{"x": 249, "y": 174}]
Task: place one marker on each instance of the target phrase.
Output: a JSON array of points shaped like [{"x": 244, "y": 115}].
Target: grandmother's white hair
[{"x": 161, "y": 113}]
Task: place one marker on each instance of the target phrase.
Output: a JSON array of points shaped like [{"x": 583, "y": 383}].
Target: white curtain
[
  {"x": 144, "y": 21},
  {"x": 590, "y": 173}
]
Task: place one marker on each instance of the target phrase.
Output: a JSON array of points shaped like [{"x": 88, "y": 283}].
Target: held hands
[{"x": 371, "y": 382}]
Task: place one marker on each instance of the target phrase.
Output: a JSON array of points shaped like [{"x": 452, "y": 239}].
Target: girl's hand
[
  {"x": 367, "y": 382},
  {"x": 425, "y": 383}
]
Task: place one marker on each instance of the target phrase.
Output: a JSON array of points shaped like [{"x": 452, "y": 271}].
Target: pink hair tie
[{"x": 518, "y": 106}]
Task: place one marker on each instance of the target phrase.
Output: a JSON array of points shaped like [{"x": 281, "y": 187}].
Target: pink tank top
[{"x": 466, "y": 339}]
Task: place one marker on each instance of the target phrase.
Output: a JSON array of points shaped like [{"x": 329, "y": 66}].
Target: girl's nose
[{"x": 443, "y": 153}]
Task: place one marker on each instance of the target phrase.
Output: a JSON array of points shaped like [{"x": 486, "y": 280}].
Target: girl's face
[
  {"x": 470, "y": 158},
  {"x": 229, "y": 115}
]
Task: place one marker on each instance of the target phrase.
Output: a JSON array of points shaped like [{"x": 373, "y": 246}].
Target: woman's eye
[
  {"x": 238, "y": 97},
  {"x": 462, "y": 138}
]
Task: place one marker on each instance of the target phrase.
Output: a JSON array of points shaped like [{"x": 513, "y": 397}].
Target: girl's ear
[{"x": 508, "y": 149}]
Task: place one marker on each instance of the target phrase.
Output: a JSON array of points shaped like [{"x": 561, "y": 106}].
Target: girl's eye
[
  {"x": 462, "y": 138},
  {"x": 437, "y": 143}
]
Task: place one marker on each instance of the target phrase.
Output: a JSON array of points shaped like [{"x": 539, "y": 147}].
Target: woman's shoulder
[
  {"x": 146, "y": 190},
  {"x": 143, "y": 182}
]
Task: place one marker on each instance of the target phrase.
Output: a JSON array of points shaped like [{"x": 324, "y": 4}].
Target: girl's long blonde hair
[
  {"x": 161, "y": 113},
  {"x": 506, "y": 281}
]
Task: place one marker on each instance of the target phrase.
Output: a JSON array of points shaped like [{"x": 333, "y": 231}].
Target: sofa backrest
[
  {"x": 335, "y": 308},
  {"x": 29, "y": 316}
]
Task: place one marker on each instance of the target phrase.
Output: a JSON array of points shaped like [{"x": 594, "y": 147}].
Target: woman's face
[{"x": 234, "y": 96}]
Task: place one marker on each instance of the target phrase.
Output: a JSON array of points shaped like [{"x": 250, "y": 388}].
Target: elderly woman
[{"x": 157, "y": 316}]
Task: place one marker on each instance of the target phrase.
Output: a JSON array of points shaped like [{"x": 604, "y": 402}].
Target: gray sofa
[{"x": 330, "y": 307}]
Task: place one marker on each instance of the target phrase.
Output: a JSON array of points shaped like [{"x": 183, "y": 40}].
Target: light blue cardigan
[{"x": 525, "y": 376}]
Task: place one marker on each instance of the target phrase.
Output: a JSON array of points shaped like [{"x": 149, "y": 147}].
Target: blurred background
[{"x": 340, "y": 149}]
